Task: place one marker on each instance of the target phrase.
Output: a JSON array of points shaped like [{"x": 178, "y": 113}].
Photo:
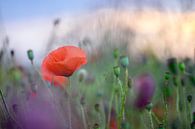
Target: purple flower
[
  {"x": 45, "y": 110},
  {"x": 143, "y": 88}
]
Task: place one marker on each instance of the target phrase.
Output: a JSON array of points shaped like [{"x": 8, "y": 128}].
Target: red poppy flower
[{"x": 62, "y": 63}]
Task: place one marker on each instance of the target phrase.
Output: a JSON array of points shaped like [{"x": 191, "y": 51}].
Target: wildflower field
[
  {"x": 97, "y": 64},
  {"x": 110, "y": 90}
]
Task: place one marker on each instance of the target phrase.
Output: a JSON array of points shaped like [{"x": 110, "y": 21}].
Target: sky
[{"x": 28, "y": 9}]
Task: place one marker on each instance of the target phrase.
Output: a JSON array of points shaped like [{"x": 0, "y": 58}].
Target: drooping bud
[
  {"x": 124, "y": 61},
  {"x": 144, "y": 88},
  {"x": 117, "y": 71},
  {"x": 172, "y": 65},
  {"x": 30, "y": 55}
]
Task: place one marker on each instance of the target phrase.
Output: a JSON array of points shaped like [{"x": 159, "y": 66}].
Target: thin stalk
[
  {"x": 83, "y": 117},
  {"x": 155, "y": 117},
  {"x": 69, "y": 106},
  {"x": 124, "y": 91},
  {"x": 177, "y": 101},
  {"x": 151, "y": 121},
  {"x": 110, "y": 105},
  {"x": 166, "y": 107},
  {"x": 189, "y": 114}
]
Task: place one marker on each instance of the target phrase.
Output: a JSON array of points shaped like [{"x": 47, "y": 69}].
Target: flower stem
[
  {"x": 151, "y": 121},
  {"x": 110, "y": 105},
  {"x": 83, "y": 117},
  {"x": 69, "y": 106},
  {"x": 124, "y": 91}
]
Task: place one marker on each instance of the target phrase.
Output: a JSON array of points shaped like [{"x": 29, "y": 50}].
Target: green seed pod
[
  {"x": 117, "y": 71},
  {"x": 167, "y": 75},
  {"x": 116, "y": 53},
  {"x": 30, "y": 55},
  {"x": 182, "y": 67},
  {"x": 172, "y": 65},
  {"x": 149, "y": 107},
  {"x": 124, "y": 61},
  {"x": 82, "y": 74},
  {"x": 189, "y": 98}
]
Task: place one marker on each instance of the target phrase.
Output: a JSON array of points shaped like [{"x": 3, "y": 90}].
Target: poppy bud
[
  {"x": 96, "y": 126},
  {"x": 116, "y": 53},
  {"x": 189, "y": 98},
  {"x": 97, "y": 107},
  {"x": 149, "y": 107},
  {"x": 124, "y": 61},
  {"x": 12, "y": 53},
  {"x": 99, "y": 94},
  {"x": 82, "y": 100},
  {"x": 30, "y": 55},
  {"x": 182, "y": 67},
  {"x": 167, "y": 75},
  {"x": 144, "y": 88},
  {"x": 172, "y": 65},
  {"x": 82, "y": 74},
  {"x": 117, "y": 71},
  {"x": 56, "y": 22}
]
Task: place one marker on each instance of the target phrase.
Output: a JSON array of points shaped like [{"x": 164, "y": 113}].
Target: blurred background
[{"x": 163, "y": 26}]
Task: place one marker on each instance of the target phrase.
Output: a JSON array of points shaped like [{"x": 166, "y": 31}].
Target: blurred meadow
[{"x": 113, "y": 64}]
